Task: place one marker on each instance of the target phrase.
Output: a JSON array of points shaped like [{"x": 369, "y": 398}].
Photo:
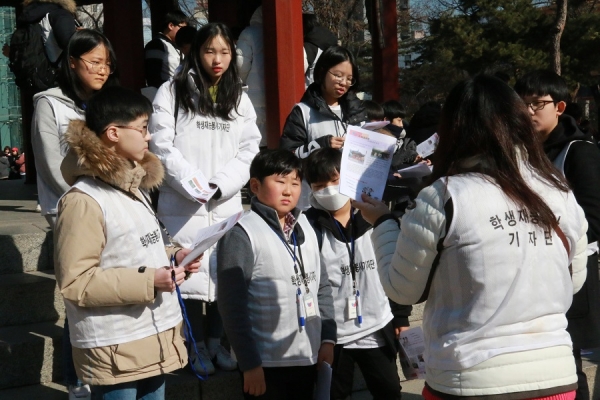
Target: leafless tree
[
  {"x": 91, "y": 16},
  {"x": 557, "y": 31}
]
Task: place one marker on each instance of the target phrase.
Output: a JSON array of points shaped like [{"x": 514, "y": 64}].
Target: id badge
[
  {"x": 351, "y": 308},
  {"x": 309, "y": 306}
]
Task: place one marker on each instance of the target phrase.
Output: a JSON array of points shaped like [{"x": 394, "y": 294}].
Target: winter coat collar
[
  {"x": 566, "y": 131},
  {"x": 269, "y": 215},
  {"x": 68, "y": 5},
  {"x": 357, "y": 228},
  {"x": 353, "y": 111},
  {"x": 90, "y": 157}
]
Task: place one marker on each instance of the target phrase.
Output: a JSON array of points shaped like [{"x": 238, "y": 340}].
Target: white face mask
[{"x": 330, "y": 198}]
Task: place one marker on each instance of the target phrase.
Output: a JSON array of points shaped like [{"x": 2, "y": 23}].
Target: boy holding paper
[
  {"x": 274, "y": 296},
  {"x": 368, "y": 325},
  {"x": 111, "y": 265}
]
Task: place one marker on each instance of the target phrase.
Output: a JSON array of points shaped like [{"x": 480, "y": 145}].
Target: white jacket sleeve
[
  {"x": 162, "y": 129},
  {"x": 234, "y": 175},
  {"x": 579, "y": 253},
  {"x": 46, "y": 143},
  {"x": 405, "y": 255}
]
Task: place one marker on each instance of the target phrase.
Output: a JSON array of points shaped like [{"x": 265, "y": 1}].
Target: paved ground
[{"x": 17, "y": 208}]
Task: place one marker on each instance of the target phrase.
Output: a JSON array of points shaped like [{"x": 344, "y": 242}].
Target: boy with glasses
[
  {"x": 545, "y": 95},
  {"x": 162, "y": 55}
]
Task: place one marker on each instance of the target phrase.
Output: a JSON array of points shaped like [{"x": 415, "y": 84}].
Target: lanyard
[
  {"x": 297, "y": 261},
  {"x": 145, "y": 203},
  {"x": 351, "y": 250}
]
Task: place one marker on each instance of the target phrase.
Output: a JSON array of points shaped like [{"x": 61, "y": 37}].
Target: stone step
[
  {"x": 29, "y": 297},
  {"x": 30, "y": 354},
  {"x": 28, "y": 251}
]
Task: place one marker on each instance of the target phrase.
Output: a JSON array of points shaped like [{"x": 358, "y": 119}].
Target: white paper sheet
[
  {"x": 412, "y": 346},
  {"x": 427, "y": 148},
  {"x": 415, "y": 171},
  {"x": 209, "y": 236},
  {"x": 373, "y": 126},
  {"x": 366, "y": 161},
  {"x": 323, "y": 382},
  {"x": 197, "y": 186}
]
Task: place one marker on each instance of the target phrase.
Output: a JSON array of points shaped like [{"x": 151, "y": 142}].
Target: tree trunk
[{"x": 559, "y": 26}]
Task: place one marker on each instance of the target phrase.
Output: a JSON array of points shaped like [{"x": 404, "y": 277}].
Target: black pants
[
  {"x": 377, "y": 366},
  {"x": 289, "y": 383},
  {"x": 583, "y": 391}
]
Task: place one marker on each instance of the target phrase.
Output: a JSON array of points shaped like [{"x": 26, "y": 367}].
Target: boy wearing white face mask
[{"x": 367, "y": 323}]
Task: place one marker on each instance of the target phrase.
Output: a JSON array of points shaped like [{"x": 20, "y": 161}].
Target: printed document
[
  {"x": 323, "y": 382},
  {"x": 427, "y": 148},
  {"x": 366, "y": 162},
  {"x": 412, "y": 346},
  {"x": 208, "y": 236},
  {"x": 198, "y": 187},
  {"x": 415, "y": 171}
]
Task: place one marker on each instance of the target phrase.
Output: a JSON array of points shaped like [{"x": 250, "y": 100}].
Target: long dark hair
[
  {"x": 483, "y": 117},
  {"x": 83, "y": 41},
  {"x": 229, "y": 88}
]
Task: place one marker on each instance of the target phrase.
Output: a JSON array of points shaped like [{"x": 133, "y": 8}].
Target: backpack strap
[
  {"x": 565, "y": 243},
  {"x": 559, "y": 161},
  {"x": 53, "y": 50},
  {"x": 449, "y": 212}
]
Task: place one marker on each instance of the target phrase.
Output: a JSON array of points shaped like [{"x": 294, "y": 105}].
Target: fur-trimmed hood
[
  {"x": 68, "y": 5},
  {"x": 90, "y": 157}
]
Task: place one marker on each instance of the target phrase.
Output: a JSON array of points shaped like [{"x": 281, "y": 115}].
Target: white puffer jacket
[
  {"x": 497, "y": 302},
  {"x": 223, "y": 151},
  {"x": 251, "y": 64}
]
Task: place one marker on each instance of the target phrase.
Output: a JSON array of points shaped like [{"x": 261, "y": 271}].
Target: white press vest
[
  {"x": 376, "y": 311},
  {"x": 272, "y": 294},
  {"x": 133, "y": 239}
]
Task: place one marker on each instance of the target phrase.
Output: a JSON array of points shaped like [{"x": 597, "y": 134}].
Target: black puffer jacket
[
  {"x": 311, "y": 123},
  {"x": 582, "y": 170},
  {"x": 61, "y": 17}
]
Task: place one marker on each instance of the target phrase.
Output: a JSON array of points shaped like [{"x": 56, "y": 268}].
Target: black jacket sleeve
[
  {"x": 295, "y": 136},
  {"x": 235, "y": 262},
  {"x": 582, "y": 170},
  {"x": 401, "y": 314},
  {"x": 63, "y": 26},
  {"x": 326, "y": 309}
]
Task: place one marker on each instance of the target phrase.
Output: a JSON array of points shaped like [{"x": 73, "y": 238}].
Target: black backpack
[{"x": 28, "y": 60}]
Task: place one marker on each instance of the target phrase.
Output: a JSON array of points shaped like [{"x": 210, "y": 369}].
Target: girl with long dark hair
[
  {"x": 88, "y": 64},
  {"x": 203, "y": 122},
  {"x": 497, "y": 245}
]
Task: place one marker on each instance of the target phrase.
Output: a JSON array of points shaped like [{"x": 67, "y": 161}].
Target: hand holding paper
[
  {"x": 209, "y": 236},
  {"x": 198, "y": 187},
  {"x": 366, "y": 161}
]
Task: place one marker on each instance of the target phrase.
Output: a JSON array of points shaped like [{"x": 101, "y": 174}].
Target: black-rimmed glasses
[{"x": 538, "y": 104}]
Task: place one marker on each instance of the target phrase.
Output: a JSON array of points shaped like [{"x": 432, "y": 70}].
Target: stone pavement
[{"x": 17, "y": 208}]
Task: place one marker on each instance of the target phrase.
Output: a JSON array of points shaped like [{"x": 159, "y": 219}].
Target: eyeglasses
[
  {"x": 348, "y": 80},
  {"x": 96, "y": 66},
  {"x": 143, "y": 131},
  {"x": 538, "y": 104}
]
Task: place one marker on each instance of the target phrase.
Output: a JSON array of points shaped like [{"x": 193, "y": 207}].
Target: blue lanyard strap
[
  {"x": 187, "y": 329},
  {"x": 297, "y": 261}
]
